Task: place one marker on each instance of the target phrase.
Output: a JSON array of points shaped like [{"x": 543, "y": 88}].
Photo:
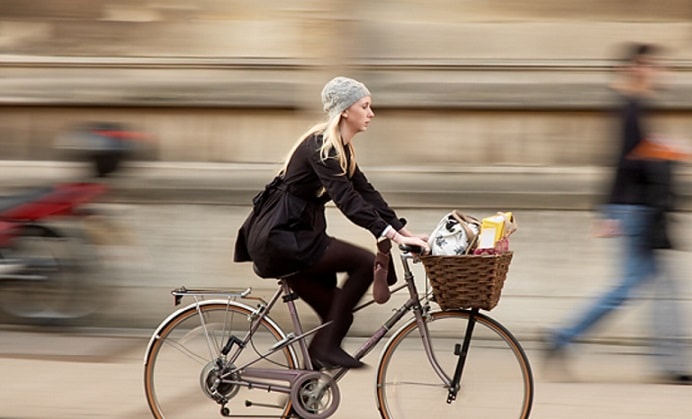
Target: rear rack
[{"x": 181, "y": 292}]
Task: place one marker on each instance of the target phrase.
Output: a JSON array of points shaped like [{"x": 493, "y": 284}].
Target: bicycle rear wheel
[
  {"x": 181, "y": 373},
  {"x": 496, "y": 381}
]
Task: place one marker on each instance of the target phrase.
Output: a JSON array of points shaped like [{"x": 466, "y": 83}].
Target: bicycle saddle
[{"x": 257, "y": 272}]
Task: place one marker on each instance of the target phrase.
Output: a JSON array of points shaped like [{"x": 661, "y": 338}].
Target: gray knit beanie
[{"x": 340, "y": 93}]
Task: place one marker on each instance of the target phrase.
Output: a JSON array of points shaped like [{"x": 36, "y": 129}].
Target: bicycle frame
[{"x": 250, "y": 375}]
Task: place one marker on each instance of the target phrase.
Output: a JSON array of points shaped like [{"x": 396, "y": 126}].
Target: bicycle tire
[
  {"x": 180, "y": 360},
  {"x": 74, "y": 286},
  {"x": 497, "y": 381}
]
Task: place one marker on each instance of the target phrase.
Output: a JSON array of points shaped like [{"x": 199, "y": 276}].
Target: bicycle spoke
[{"x": 183, "y": 349}]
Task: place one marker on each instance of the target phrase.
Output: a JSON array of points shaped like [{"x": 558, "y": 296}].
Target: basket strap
[
  {"x": 510, "y": 224},
  {"x": 464, "y": 221},
  {"x": 461, "y": 217}
]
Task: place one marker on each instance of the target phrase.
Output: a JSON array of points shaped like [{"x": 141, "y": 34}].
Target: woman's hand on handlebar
[
  {"x": 404, "y": 232},
  {"x": 413, "y": 244}
]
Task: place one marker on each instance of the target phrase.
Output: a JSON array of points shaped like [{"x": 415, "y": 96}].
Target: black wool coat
[{"x": 286, "y": 231}]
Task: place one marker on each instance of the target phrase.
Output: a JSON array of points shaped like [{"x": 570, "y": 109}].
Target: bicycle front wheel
[
  {"x": 496, "y": 380},
  {"x": 185, "y": 373}
]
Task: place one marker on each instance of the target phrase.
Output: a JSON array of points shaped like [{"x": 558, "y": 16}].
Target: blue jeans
[{"x": 638, "y": 266}]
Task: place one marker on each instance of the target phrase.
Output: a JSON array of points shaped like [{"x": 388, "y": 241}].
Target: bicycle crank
[{"x": 315, "y": 395}]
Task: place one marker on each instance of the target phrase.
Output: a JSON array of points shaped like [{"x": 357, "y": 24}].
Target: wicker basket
[{"x": 468, "y": 281}]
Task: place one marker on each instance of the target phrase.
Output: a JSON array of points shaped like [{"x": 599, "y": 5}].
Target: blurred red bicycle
[{"x": 49, "y": 267}]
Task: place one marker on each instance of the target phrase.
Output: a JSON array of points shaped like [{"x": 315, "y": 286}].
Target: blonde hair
[{"x": 331, "y": 141}]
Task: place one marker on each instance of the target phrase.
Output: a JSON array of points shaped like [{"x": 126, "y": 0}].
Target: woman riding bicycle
[{"x": 285, "y": 235}]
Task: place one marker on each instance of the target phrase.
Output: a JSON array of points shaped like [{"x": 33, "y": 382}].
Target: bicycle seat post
[{"x": 289, "y": 297}]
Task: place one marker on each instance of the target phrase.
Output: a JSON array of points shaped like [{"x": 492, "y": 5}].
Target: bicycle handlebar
[{"x": 417, "y": 250}]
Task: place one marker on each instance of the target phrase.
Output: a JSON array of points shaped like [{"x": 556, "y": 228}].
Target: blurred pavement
[{"x": 84, "y": 375}]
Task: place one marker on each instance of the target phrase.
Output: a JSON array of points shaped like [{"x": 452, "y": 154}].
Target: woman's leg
[
  {"x": 317, "y": 292},
  {"x": 335, "y": 306}
]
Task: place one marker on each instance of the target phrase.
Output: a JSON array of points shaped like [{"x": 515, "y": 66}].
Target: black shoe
[
  {"x": 551, "y": 352},
  {"x": 333, "y": 358},
  {"x": 555, "y": 361},
  {"x": 681, "y": 379}
]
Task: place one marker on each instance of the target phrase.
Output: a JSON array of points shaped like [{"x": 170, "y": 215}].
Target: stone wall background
[{"x": 477, "y": 82}]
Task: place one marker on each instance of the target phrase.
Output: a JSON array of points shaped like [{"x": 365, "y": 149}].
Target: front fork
[{"x": 461, "y": 351}]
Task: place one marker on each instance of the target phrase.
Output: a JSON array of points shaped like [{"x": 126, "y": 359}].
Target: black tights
[{"x": 317, "y": 287}]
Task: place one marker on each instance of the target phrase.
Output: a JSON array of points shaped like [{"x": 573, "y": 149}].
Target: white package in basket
[{"x": 455, "y": 234}]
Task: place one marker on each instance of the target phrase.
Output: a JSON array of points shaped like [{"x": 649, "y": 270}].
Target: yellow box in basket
[{"x": 493, "y": 229}]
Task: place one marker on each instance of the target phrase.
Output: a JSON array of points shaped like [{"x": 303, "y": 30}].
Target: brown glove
[{"x": 383, "y": 277}]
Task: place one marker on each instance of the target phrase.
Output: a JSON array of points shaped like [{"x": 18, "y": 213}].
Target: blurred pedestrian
[
  {"x": 285, "y": 235},
  {"x": 637, "y": 211}
]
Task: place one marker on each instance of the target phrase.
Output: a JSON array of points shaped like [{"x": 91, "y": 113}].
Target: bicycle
[
  {"x": 224, "y": 355},
  {"x": 51, "y": 270}
]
